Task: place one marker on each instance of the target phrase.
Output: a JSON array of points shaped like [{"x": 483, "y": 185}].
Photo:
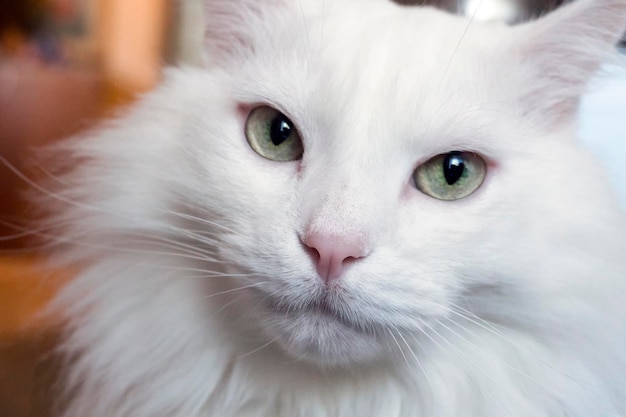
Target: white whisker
[
  {"x": 419, "y": 363},
  {"x": 205, "y": 222},
  {"x": 492, "y": 330},
  {"x": 471, "y": 362},
  {"x": 399, "y": 347},
  {"x": 256, "y": 284},
  {"x": 458, "y": 45},
  {"x": 263, "y": 346}
]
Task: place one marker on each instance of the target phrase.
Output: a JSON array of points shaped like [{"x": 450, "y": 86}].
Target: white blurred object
[
  {"x": 492, "y": 10},
  {"x": 603, "y": 123}
]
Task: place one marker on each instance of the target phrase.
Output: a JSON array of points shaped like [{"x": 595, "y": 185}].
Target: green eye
[
  {"x": 451, "y": 176},
  {"x": 272, "y": 135}
]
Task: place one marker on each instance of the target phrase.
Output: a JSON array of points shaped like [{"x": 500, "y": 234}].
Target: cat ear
[
  {"x": 565, "y": 49},
  {"x": 231, "y": 26}
]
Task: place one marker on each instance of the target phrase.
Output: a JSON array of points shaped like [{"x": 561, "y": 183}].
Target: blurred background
[{"x": 64, "y": 65}]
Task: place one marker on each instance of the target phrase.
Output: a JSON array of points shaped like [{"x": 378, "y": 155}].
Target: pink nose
[{"x": 332, "y": 253}]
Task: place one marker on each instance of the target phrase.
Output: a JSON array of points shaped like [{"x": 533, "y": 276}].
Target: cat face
[{"x": 331, "y": 147}]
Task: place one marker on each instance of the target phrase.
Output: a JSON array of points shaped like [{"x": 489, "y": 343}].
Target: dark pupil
[
  {"x": 453, "y": 167},
  {"x": 280, "y": 129}
]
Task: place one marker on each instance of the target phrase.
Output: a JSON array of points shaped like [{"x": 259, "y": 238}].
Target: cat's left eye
[
  {"x": 272, "y": 135},
  {"x": 451, "y": 176}
]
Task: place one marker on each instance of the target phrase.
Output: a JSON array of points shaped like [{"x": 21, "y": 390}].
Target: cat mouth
[
  {"x": 325, "y": 307},
  {"x": 324, "y": 331}
]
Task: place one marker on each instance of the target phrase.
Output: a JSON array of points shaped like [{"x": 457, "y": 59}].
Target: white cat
[{"x": 354, "y": 209}]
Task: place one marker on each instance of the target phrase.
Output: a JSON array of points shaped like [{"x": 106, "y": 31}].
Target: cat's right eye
[{"x": 272, "y": 135}]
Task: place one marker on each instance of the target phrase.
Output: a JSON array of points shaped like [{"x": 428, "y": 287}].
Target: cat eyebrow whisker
[
  {"x": 441, "y": 107},
  {"x": 458, "y": 45},
  {"x": 306, "y": 26}
]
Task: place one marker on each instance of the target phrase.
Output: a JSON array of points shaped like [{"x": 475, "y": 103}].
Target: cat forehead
[
  {"x": 363, "y": 65},
  {"x": 376, "y": 43},
  {"x": 407, "y": 61}
]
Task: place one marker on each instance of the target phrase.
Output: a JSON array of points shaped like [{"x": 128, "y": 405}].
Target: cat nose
[{"x": 332, "y": 253}]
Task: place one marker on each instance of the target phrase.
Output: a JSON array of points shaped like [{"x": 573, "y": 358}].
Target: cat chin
[{"x": 324, "y": 340}]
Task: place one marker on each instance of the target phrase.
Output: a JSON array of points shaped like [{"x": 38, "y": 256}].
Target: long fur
[{"x": 197, "y": 298}]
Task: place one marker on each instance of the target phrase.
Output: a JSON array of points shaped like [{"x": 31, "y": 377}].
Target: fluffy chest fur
[{"x": 352, "y": 210}]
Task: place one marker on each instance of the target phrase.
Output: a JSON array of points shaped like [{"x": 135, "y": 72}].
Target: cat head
[{"x": 379, "y": 169}]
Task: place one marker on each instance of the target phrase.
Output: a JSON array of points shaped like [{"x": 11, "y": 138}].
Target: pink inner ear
[{"x": 563, "y": 51}]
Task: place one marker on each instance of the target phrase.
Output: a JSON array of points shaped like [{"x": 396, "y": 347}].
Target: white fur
[{"x": 506, "y": 303}]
